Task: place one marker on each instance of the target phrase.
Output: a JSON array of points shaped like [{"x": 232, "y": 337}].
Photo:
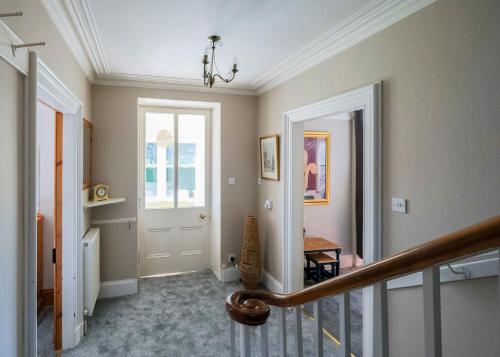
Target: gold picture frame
[
  {"x": 270, "y": 157},
  {"x": 319, "y": 170}
]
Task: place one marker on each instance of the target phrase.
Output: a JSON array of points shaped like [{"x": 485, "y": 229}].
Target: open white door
[{"x": 174, "y": 190}]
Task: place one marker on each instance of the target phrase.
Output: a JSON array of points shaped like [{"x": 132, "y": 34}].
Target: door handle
[{"x": 203, "y": 216}]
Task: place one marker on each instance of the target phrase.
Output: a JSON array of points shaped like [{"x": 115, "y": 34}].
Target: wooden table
[{"x": 320, "y": 245}]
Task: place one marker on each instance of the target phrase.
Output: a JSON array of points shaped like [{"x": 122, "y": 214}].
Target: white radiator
[{"x": 91, "y": 269}]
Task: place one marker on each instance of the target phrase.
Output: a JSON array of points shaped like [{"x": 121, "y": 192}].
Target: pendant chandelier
[{"x": 209, "y": 75}]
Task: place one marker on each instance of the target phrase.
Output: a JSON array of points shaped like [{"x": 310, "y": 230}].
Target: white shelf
[{"x": 111, "y": 201}]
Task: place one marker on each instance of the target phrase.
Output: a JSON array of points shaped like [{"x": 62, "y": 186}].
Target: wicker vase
[{"x": 250, "y": 263}]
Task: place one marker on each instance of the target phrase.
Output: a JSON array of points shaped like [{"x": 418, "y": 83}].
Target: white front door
[{"x": 174, "y": 190}]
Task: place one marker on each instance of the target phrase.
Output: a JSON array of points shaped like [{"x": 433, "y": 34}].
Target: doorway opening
[
  {"x": 49, "y": 201},
  {"x": 365, "y": 100},
  {"x": 44, "y": 86},
  {"x": 333, "y": 203}
]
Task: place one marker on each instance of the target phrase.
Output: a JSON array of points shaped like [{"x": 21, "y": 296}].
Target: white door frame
[
  {"x": 215, "y": 180},
  {"x": 368, "y": 99},
  {"x": 53, "y": 92},
  {"x": 141, "y": 208}
]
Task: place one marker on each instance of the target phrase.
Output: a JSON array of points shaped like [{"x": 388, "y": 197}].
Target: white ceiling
[
  {"x": 167, "y": 38},
  {"x": 160, "y": 43}
]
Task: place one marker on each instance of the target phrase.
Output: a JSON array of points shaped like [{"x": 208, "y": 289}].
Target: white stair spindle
[
  {"x": 264, "y": 339},
  {"x": 345, "y": 324},
  {"x": 244, "y": 341},
  {"x": 318, "y": 329},
  {"x": 432, "y": 312},
  {"x": 299, "y": 351},
  {"x": 232, "y": 328},
  {"x": 282, "y": 335}
]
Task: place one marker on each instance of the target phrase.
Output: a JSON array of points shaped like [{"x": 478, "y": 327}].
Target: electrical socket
[
  {"x": 232, "y": 258},
  {"x": 399, "y": 205}
]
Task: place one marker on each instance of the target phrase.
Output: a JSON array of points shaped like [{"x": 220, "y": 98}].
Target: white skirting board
[
  {"x": 117, "y": 288},
  {"x": 78, "y": 333},
  {"x": 271, "y": 282},
  {"x": 233, "y": 274}
]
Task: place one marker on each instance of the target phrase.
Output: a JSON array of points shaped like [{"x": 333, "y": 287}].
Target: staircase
[{"x": 251, "y": 308}]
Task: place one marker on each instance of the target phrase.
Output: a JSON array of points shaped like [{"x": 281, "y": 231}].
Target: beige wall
[
  {"x": 470, "y": 319},
  {"x": 11, "y": 267},
  {"x": 333, "y": 221},
  {"x": 115, "y": 163},
  {"x": 35, "y": 26},
  {"x": 440, "y": 69}
]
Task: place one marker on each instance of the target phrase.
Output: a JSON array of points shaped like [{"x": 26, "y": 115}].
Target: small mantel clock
[{"x": 100, "y": 192}]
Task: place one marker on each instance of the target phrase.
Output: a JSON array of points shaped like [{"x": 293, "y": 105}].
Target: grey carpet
[
  {"x": 45, "y": 333},
  {"x": 178, "y": 316}
]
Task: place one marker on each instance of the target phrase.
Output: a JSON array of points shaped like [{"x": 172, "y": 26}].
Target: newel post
[{"x": 245, "y": 307}]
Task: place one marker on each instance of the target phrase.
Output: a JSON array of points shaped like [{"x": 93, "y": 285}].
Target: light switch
[
  {"x": 232, "y": 181},
  {"x": 399, "y": 205},
  {"x": 268, "y": 204}
]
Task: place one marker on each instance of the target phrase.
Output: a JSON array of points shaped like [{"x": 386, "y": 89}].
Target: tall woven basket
[{"x": 250, "y": 263}]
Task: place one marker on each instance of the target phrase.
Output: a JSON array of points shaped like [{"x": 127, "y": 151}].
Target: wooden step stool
[{"x": 320, "y": 260}]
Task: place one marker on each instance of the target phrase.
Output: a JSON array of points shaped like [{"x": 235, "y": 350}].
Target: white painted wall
[
  {"x": 45, "y": 136},
  {"x": 333, "y": 221}
]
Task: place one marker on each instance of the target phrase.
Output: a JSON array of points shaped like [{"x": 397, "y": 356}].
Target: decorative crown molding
[
  {"x": 75, "y": 21},
  {"x": 159, "y": 82},
  {"x": 82, "y": 17},
  {"x": 58, "y": 14},
  {"x": 367, "y": 21}
]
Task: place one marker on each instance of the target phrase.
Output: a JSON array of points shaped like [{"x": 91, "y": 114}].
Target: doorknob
[{"x": 203, "y": 216}]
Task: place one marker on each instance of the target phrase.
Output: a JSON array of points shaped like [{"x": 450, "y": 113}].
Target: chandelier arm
[
  {"x": 217, "y": 69},
  {"x": 224, "y": 79}
]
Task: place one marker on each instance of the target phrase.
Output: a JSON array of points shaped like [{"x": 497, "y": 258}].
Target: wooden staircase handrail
[{"x": 251, "y": 307}]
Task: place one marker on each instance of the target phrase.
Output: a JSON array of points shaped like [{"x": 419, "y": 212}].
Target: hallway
[{"x": 181, "y": 315}]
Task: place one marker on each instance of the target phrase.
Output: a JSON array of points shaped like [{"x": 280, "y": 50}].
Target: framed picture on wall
[
  {"x": 270, "y": 157},
  {"x": 316, "y": 168}
]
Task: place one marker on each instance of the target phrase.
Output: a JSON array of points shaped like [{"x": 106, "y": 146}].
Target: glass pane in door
[
  {"x": 159, "y": 159},
  {"x": 191, "y": 164}
]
